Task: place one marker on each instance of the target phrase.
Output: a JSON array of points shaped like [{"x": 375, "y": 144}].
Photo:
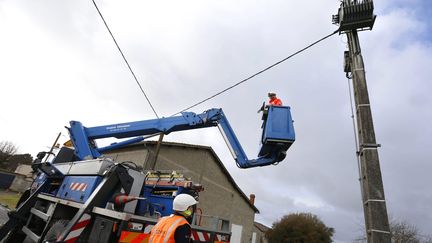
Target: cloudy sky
[{"x": 58, "y": 63}]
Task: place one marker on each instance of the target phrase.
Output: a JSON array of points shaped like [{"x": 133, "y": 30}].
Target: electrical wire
[
  {"x": 257, "y": 73},
  {"x": 124, "y": 58},
  {"x": 355, "y": 135}
]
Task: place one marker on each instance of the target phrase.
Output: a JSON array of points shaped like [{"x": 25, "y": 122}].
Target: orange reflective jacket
[
  {"x": 275, "y": 101},
  {"x": 163, "y": 231}
]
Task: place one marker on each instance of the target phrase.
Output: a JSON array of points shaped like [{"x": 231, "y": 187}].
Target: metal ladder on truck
[
  {"x": 48, "y": 210},
  {"x": 22, "y": 218},
  {"x": 47, "y": 204}
]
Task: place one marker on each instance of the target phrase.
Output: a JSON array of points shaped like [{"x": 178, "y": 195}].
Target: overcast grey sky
[{"x": 58, "y": 63}]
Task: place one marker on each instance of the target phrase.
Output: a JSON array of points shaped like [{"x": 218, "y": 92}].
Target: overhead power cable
[
  {"x": 257, "y": 73},
  {"x": 124, "y": 58},
  {"x": 357, "y": 148}
]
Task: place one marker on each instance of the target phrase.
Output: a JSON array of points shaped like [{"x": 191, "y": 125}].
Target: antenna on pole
[{"x": 354, "y": 16}]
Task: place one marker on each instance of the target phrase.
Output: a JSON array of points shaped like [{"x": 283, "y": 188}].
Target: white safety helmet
[
  {"x": 183, "y": 201},
  {"x": 270, "y": 94}
]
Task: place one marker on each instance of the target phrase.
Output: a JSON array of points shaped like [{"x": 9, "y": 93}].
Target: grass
[{"x": 9, "y": 198}]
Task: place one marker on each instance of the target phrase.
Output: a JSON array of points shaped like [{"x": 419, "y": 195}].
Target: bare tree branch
[
  {"x": 401, "y": 232},
  {"x": 7, "y": 149}
]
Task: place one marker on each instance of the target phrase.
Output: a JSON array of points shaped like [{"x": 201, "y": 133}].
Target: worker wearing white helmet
[
  {"x": 273, "y": 99},
  {"x": 176, "y": 227}
]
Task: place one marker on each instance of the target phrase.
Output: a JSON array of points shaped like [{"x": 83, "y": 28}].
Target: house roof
[
  {"x": 219, "y": 163},
  {"x": 261, "y": 227}
]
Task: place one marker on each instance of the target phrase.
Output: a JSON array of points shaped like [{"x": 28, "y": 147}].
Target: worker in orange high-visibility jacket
[
  {"x": 176, "y": 227},
  {"x": 273, "y": 100}
]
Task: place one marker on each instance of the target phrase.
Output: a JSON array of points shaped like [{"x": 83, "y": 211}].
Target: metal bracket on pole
[
  {"x": 369, "y": 145},
  {"x": 361, "y": 105},
  {"x": 374, "y": 200},
  {"x": 379, "y": 231}
]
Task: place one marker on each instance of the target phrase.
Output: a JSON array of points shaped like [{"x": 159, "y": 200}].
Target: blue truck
[{"x": 83, "y": 196}]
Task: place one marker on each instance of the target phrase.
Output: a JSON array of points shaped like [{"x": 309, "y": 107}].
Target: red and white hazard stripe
[
  {"x": 78, "y": 228},
  {"x": 75, "y": 186},
  {"x": 200, "y": 236},
  {"x": 218, "y": 238}
]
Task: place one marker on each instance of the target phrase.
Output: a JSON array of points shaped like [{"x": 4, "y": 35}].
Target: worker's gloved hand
[{"x": 262, "y": 108}]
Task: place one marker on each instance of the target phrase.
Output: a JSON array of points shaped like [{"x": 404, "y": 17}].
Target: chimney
[{"x": 252, "y": 199}]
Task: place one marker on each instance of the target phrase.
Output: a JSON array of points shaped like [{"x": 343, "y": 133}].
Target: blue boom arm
[{"x": 278, "y": 134}]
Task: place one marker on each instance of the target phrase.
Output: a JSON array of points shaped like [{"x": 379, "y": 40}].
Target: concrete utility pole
[
  {"x": 154, "y": 154},
  {"x": 374, "y": 204},
  {"x": 353, "y": 16}
]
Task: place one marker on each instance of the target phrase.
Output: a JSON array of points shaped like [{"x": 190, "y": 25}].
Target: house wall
[
  {"x": 24, "y": 169},
  {"x": 20, "y": 183},
  {"x": 219, "y": 198},
  {"x": 259, "y": 235},
  {"x": 14, "y": 181}
]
